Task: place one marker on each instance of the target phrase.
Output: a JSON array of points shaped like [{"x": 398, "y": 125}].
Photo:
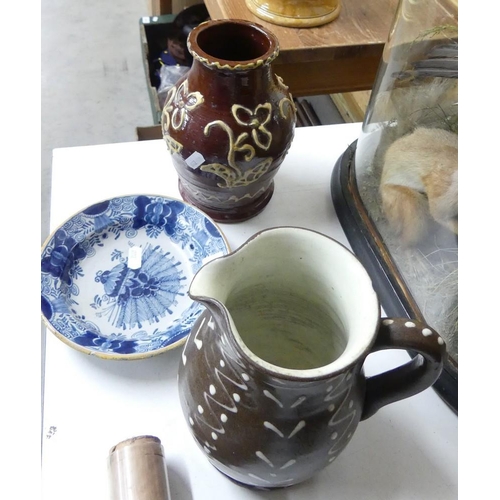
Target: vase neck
[
  {"x": 235, "y": 65},
  {"x": 221, "y": 82},
  {"x": 232, "y": 45}
]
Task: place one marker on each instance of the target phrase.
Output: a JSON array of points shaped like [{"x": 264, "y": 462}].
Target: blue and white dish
[{"x": 115, "y": 276}]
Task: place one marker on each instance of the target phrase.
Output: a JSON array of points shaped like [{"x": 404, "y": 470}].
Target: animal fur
[{"x": 420, "y": 182}]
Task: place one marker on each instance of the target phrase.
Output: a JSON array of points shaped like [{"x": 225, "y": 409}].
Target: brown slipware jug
[{"x": 271, "y": 379}]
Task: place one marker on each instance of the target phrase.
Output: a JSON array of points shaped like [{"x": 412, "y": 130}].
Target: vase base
[{"x": 232, "y": 214}]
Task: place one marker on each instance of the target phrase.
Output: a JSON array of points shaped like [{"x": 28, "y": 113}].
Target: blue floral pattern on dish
[
  {"x": 156, "y": 215},
  {"x": 133, "y": 296},
  {"x": 96, "y": 300},
  {"x": 64, "y": 254},
  {"x": 113, "y": 343}
]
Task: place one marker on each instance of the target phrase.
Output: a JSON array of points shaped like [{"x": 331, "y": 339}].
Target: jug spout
[{"x": 212, "y": 284}]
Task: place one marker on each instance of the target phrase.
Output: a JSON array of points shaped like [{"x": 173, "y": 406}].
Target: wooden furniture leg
[{"x": 160, "y": 7}]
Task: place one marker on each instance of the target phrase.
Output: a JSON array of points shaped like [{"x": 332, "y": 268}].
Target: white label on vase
[
  {"x": 134, "y": 258},
  {"x": 195, "y": 160}
]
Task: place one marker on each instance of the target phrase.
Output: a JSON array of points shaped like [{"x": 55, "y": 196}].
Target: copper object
[{"x": 137, "y": 470}]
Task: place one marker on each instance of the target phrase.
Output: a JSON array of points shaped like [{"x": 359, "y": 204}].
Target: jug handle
[{"x": 410, "y": 378}]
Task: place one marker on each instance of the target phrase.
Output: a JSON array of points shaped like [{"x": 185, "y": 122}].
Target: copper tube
[{"x": 137, "y": 470}]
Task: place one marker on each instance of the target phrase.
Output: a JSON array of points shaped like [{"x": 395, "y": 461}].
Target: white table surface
[{"x": 408, "y": 450}]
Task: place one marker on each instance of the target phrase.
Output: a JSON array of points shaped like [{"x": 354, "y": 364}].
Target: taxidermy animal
[{"x": 419, "y": 183}]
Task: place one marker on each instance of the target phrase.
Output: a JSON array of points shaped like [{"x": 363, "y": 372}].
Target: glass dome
[{"x": 404, "y": 165}]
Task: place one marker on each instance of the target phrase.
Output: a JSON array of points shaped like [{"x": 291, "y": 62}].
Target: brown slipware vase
[{"x": 229, "y": 122}]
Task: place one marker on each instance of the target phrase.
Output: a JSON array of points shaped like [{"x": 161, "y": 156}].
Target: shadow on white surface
[{"x": 178, "y": 480}]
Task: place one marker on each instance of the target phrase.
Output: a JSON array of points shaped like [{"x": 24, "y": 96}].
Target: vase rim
[{"x": 241, "y": 64}]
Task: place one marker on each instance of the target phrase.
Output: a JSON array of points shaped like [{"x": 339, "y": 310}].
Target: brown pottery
[
  {"x": 229, "y": 122},
  {"x": 271, "y": 378}
]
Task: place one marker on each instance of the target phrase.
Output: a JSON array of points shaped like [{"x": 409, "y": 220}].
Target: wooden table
[{"x": 341, "y": 56}]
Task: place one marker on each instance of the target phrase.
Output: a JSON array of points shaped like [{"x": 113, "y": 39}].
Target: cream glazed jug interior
[{"x": 284, "y": 298}]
